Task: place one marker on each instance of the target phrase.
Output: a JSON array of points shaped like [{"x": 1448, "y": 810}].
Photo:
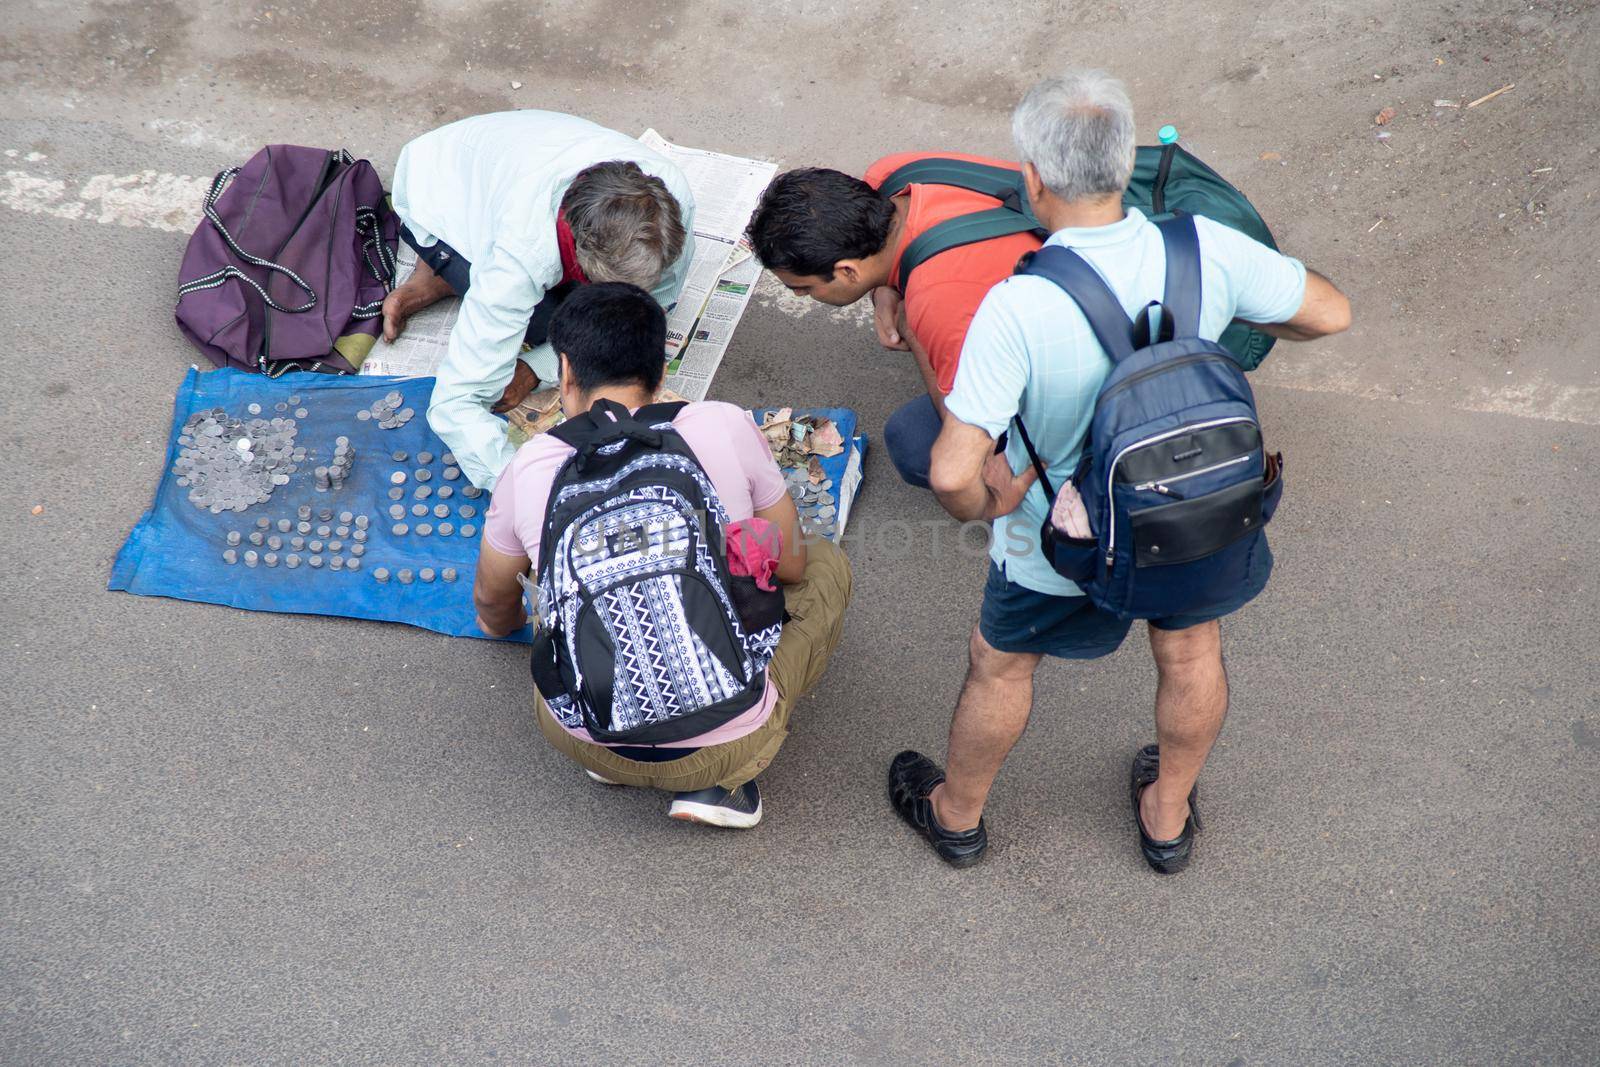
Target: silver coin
[
  {"x": 295, "y": 399},
  {"x": 471, "y": 492},
  {"x": 302, "y": 527},
  {"x": 262, "y": 524},
  {"x": 452, "y": 473},
  {"x": 397, "y": 511},
  {"x": 424, "y": 529},
  {"x": 362, "y": 522},
  {"x": 424, "y": 457},
  {"x": 397, "y": 478},
  {"x": 303, "y": 511},
  {"x": 250, "y": 559},
  {"x": 255, "y": 537},
  {"x": 381, "y": 573},
  {"x": 466, "y": 511},
  {"x": 336, "y": 563},
  {"x": 422, "y": 492},
  {"x": 254, "y": 409},
  {"x": 270, "y": 559},
  {"x": 358, "y": 536},
  {"x": 419, "y": 510},
  {"x": 396, "y": 493},
  {"x": 446, "y": 529},
  {"x": 404, "y": 414},
  {"x": 441, "y": 510},
  {"x": 426, "y": 574},
  {"x": 445, "y": 492},
  {"x": 448, "y": 574},
  {"x": 233, "y": 537},
  {"x": 448, "y": 459},
  {"x": 301, "y": 413},
  {"x": 341, "y": 531},
  {"x": 398, "y": 456},
  {"x": 274, "y": 542},
  {"x": 358, "y": 550},
  {"x": 364, "y": 415},
  {"x": 324, "y": 530},
  {"x": 291, "y": 561},
  {"x": 347, "y": 517},
  {"x": 352, "y": 564},
  {"x": 314, "y": 561},
  {"x": 399, "y": 529},
  {"x": 469, "y": 530},
  {"x": 314, "y": 545},
  {"x": 284, "y": 525},
  {"x": 326, "y": 514},
  {"x": 827, "y": 511},
  {"x": 405, "y": 576},
  {"x": 336, "y": 545},
  {"x": 297, "y": 542},
  {"x": 826, "y": 498},
  {"x": 230, "y": 556},
  {"x": 423, "y": 474},
  {"x": 827, "y": 483}
]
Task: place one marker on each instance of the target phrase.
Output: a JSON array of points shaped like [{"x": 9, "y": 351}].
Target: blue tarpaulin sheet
[{"x": 176, "y": 549}]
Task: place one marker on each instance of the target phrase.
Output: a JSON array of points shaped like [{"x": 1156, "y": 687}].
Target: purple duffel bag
[{"x": 290, "y": 268}]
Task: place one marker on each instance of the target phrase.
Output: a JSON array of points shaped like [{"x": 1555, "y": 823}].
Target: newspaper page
[
  {"x": 420, "y": 349},
  {"x": 723, "y": 274}
]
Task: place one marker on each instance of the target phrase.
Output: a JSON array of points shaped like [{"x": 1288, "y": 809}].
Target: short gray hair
[
  {"x": 625, "y": 223},
  {"x": 1077, "y": 130}
]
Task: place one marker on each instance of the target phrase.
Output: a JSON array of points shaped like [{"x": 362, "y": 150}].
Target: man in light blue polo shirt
[{"x": 1030, "y": 352}]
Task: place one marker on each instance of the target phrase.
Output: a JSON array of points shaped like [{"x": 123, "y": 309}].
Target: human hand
[
  {"x": 1006, "y": 489},
  {"x": 523, "y": 381},
  {"x": 888, "y": 315}
]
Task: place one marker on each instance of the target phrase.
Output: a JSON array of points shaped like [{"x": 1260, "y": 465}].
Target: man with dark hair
[
  {"x": 510, "y": 212},
  {"x": 834, "y": 238},
  {"x": 610, "y": 340}
]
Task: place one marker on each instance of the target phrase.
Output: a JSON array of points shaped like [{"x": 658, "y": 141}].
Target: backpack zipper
[
  {"x": 1161, "y": 485},
  {"x": 1159, "y": 368},
  {"x": 1111, "y": 471}
]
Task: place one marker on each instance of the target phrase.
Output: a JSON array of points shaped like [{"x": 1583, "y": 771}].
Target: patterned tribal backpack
[{"x": 644, "y": 636}]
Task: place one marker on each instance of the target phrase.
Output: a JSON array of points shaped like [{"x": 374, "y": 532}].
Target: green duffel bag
[{"x": 1166, "y": 180}]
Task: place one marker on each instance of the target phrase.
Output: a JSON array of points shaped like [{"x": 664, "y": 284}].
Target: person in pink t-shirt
[{"x": 609, "y": 338}]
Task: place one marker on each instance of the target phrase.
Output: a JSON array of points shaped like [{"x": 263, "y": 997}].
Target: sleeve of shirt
[
  {"x": 478, "y": 365},
  {"x": 761, "y": 471},
  {"x": 500, "y": 521},
  {"x": 994, "y": 362},
  {"x": 1267, "y": 286}
]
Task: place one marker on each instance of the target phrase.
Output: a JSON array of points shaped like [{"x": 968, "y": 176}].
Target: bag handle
[{"x": 216, "y": 278}]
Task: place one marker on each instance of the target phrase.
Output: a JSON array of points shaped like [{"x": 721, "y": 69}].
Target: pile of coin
[
  {"x": 230, "y": 464},
  {"x": 818, "y": 509},
  {"x": 388, "y": 412}
]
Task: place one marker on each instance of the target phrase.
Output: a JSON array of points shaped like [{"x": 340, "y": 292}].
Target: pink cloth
[
  {"x": 735, "y": 456},
  {"x": 754, "y": 548}
]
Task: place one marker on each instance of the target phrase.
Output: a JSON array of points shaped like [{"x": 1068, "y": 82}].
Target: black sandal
[
  {"x": 912, "y": 776},
  {"x": 1164, "y": 857}
]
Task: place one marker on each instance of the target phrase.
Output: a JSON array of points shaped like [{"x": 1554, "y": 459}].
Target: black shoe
[
  {"x": 737, "y": 810},
  {"x": 1164, "y": 857},
  {"x": 912, "y": 777}
]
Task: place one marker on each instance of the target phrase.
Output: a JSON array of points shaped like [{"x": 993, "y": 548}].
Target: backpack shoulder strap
[
  {"x": 983, "y": 178},
  {"x": 1111, "y": 325},
  {"x": 1182, "y": 299},
  {"x": 587, "y": 432},
  {"x": 963, "y": 230},
  {"x": 655, "y": 414}
]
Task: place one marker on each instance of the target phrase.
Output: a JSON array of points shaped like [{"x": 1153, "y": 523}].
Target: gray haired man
[
  {"x": 510, "y": 211},
  {"x": 1030, "y": 352}
]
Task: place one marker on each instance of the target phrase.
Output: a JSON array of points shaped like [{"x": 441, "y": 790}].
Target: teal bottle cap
[{"x": 1167, "y": 134}]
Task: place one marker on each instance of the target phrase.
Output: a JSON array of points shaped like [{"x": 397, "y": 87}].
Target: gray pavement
[{"x": 235, "y": 837}]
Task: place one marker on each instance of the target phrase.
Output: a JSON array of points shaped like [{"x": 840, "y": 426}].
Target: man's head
[
  {"x": 1075, "y": 136},
  {"x": 627, "y": 227},
  {"x": 823, "y": 234},
  {"x": 609, "y": 335}
]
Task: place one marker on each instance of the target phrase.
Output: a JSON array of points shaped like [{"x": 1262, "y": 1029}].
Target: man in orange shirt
[{"x": 835, "y": 238}]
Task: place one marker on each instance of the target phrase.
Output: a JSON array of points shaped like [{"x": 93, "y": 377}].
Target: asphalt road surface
[{"x": 255, "y": 838}]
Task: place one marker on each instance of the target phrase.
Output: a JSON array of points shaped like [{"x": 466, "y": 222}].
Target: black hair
[
  {"x": 811, "y": 218},
  {"x": 612, "y": 333}
]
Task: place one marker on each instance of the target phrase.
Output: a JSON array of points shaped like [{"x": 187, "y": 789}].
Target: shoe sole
[
  {"x": 713, "y": 815},
  {"x": 599, "y": 778}
]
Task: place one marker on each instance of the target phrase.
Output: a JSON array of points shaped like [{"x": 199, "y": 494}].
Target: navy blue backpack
[{"x": 1174, "y": 477}]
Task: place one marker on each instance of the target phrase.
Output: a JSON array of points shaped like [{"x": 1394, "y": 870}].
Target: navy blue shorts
[{"x": 1017, "y": 619}]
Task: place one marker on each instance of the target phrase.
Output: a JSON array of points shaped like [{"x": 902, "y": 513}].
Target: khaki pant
[{"x": 816, "y": 621}]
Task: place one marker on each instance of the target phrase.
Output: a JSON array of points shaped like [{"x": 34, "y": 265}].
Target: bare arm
[
  {"x": 970, "y": 480},
  {"x": 786, "y": 517},
  {"x": 497, "y": 594},
  {"x": 1323, "y": 311}
]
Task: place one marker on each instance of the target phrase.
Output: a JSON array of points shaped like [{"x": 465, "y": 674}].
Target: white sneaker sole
[
  {"x": 598, "y": 777},
  {"x": 714, "y": 815}
]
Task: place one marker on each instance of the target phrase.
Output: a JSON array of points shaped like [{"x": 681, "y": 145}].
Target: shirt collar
[{"x": 1099, "y": 236}]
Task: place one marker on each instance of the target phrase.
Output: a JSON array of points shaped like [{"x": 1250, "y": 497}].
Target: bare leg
[
  {"x": 990, "y": 716},
  {"x": 1191, "y": 702},
  {"x": 424, "y": 287}
]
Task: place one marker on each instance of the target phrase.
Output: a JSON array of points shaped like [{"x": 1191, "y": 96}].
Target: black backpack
[
  {"x": 644, "y": 636},
  {"x": 1166, "y": 179}
]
